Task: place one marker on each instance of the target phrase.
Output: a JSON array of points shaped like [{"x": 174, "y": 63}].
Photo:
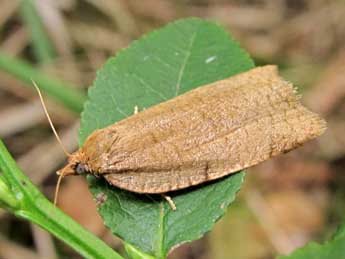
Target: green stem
[
  {"x": 33, "y": 206},
  {"x": 42, "y": 45},
  {"x": 62, "y": 92}
]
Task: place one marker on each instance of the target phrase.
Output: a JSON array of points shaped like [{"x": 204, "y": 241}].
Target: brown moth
[{"x": 202, "y": 135}]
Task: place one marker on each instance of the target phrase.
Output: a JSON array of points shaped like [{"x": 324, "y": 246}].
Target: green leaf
[
  {"x": 332, "y": 249},
  {"x": 165, "y": 63}
]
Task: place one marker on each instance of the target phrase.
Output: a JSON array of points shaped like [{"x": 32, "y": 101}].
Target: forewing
[{"x": 208, "y": 133}]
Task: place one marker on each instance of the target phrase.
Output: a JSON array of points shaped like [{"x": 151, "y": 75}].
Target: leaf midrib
[
  {"x": 159, "y": 250},
  {"x": 184, "y": 63}
]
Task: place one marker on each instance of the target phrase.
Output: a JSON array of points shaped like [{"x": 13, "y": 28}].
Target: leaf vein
[{"x": 184, "y": 63}]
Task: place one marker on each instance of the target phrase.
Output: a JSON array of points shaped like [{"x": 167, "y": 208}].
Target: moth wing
[
  {"x": 160, "y": 181},
  {"x": 207, "y": 133},
  {"x": 224, "y": 155}
]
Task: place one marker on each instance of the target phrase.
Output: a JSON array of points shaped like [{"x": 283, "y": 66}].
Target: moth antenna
[
  {"x": 49, "y": 119},
  {"x": 57, "y": 189}
]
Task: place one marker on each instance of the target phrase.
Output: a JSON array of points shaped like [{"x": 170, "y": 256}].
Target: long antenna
[
  {"x": 50, "y": 121},
  {"x": 56, "y": 195}
]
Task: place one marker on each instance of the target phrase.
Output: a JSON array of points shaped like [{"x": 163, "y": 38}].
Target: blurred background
[{"x": 284, "y": 202}]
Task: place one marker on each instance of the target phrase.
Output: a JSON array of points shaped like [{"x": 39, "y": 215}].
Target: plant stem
[
  {"x": 62, "y": 92},
  {"x": 42, "y": 45},
  {"x": 33, "y": 206}
]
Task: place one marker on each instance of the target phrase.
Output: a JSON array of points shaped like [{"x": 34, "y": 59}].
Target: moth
[{"x": 202, "y": 135}]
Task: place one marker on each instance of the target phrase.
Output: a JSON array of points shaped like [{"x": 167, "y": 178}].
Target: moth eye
[{"x": 81, "y": 168}]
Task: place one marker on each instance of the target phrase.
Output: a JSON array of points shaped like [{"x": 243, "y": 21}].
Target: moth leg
[
  {"x": 136, "y": 109},
  {"x": 170, "y": 201}
]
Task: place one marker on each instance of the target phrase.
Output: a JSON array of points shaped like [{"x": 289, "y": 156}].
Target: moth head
[{"x": 75, "y": 166}]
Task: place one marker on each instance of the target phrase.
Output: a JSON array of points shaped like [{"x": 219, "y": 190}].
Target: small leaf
[
  {"x": 159, "y": 66},
  {"x": 332, "y": 249}
]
